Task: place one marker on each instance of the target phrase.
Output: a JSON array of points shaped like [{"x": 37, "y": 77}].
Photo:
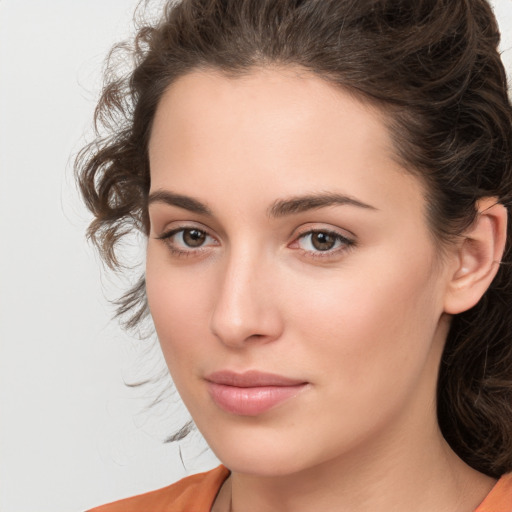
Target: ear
[{"x": 477, "y": 257}]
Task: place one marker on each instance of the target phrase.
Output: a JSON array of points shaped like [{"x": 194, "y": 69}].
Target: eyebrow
[
  {"x": 280, "y": 208},
  {"x": 301, "y": 204},
  {"x": 179, "y": 200}
]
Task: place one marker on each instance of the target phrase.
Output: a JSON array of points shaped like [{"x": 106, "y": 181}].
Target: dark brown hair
[{"x": 431, "y": 65}]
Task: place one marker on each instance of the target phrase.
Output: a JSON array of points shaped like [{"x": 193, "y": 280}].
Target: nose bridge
[{"x": 244, "y": 308}]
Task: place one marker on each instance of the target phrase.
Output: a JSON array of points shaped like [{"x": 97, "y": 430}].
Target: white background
[{"x": 72, "y": 435}]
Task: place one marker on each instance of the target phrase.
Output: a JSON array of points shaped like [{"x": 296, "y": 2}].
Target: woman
[{"x": 324, "y": 188}]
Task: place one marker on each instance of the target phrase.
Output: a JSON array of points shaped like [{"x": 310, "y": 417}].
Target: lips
[{"x": 251, "y": 393}]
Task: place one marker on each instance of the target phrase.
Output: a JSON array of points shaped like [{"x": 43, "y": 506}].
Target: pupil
[
  {"x": 322, "y": 241},
  {"x": 194, "y": 237}
]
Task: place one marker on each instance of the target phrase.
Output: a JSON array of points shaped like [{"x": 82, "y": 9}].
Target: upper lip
[{"x": 251, "y": 379}]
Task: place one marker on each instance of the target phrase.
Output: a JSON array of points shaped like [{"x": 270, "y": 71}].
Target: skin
[{"x": 363, "y": 323}]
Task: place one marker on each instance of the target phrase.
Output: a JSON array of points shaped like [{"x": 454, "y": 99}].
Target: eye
[
  {"x": 193, "y": 237},
  {"x": 187, "y": 240},
  {"x": 319, "y": 241}
]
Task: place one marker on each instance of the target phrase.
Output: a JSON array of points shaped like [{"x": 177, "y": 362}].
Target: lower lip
[{"x": 251, "y": 401}]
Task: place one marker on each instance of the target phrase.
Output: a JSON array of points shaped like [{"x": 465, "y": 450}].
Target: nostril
[{"x": 262, "y": 328}]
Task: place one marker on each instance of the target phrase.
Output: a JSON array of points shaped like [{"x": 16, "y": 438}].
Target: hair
[{"x": 434, "y": 69}]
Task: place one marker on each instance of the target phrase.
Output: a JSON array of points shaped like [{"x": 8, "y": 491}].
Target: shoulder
[
  {"x": 195, "y": 493},
  {"x": 500, "y": 497}
]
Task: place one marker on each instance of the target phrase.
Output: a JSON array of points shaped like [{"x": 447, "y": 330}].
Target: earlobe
[{"x": 478, "y": 256}]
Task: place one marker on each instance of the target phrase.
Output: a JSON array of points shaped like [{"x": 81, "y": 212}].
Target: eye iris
[
  {"x": 194, "y": 237},
  {"x": 322, "y": 241}
]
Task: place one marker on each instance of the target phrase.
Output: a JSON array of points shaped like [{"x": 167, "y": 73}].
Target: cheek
[
  {"x": 371, "y": 325},
  {"x": 179, "y": 302}
]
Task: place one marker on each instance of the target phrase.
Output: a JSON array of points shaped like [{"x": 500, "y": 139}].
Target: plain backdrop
[{"x": 72, "y": 434}]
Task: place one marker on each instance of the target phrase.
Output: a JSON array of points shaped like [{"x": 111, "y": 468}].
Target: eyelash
[
  {"x": 344, "y": 242},
  {"x": 167, "y": 239}
]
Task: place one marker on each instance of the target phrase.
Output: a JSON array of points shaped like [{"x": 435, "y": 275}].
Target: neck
[{"x": 393, "y": 475}]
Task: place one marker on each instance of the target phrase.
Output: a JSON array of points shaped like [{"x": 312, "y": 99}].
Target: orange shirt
[
  {"x": 197, "y": 493},
  {"x": 500, "y": 497}
]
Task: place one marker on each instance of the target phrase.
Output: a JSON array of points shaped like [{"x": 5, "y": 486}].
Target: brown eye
[
  {"x": 322, "y": 241},
  {"x": 193, "y": 237},
  {"x": 188, "y": 241}
]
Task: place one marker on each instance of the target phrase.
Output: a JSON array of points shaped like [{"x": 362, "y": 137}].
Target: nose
[{"x": 246, "y": 307}]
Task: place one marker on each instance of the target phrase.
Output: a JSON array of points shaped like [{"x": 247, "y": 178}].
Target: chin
[
  {"x": 263, "y": 465},
  {"x": 269, "y": 454}
]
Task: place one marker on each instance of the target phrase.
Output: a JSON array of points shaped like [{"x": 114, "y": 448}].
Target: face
[{"x": 291, "y": 275}]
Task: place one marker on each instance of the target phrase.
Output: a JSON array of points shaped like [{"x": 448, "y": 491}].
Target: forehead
[
  {"x": 268, "y": 103},
  {"x": 276, "y": 126}
]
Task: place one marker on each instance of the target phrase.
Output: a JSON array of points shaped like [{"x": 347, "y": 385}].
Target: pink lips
[{"x": 251, "y": 393}]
